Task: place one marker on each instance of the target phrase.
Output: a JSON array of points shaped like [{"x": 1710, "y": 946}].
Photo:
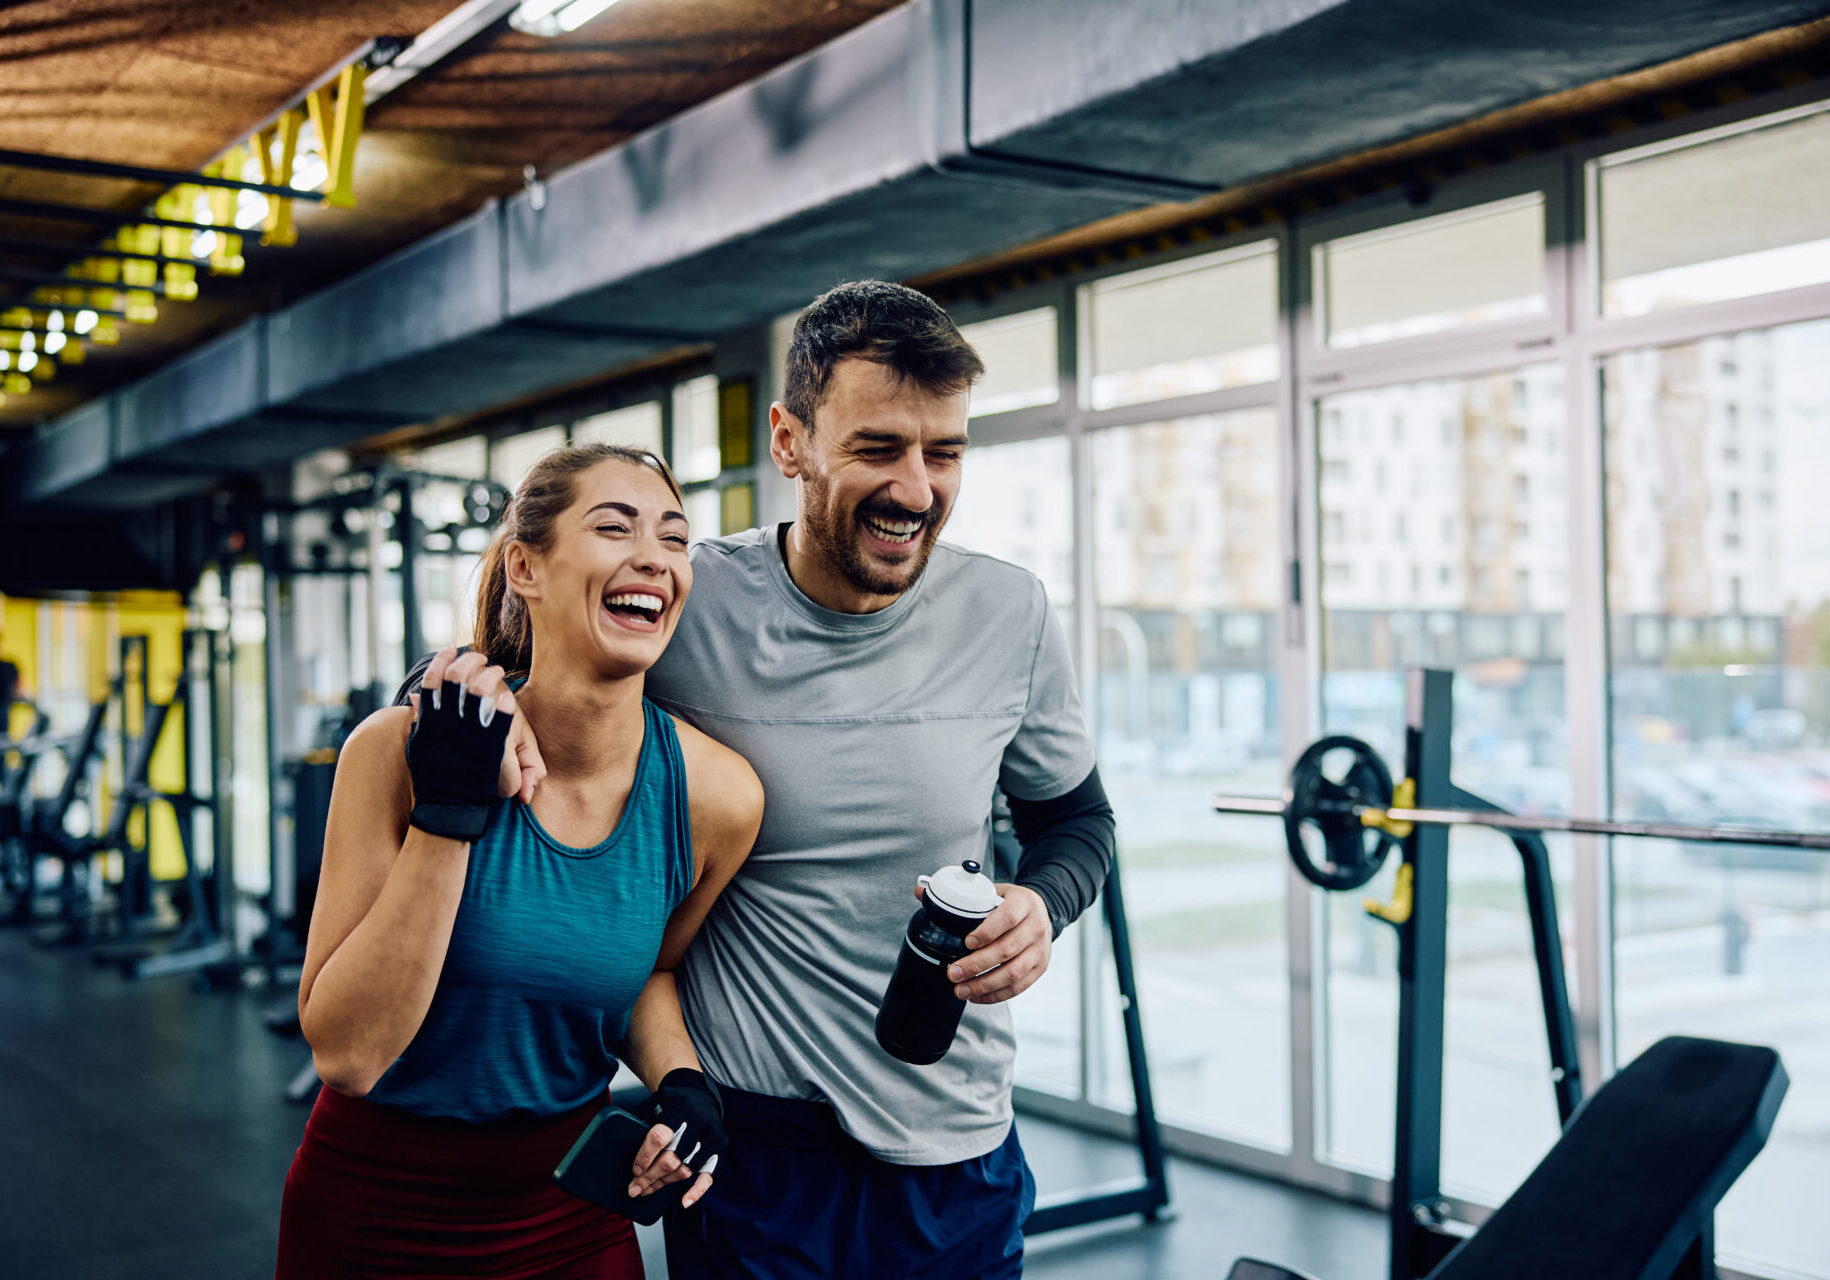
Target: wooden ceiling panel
[
  {"x": 520, "y": 99},
  {"x": 172, "y": 83}
]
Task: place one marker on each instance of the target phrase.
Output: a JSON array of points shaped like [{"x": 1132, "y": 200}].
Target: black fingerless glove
[
  {"x": 689, "y": 1104},
  {"x": 455, "y": 759}
]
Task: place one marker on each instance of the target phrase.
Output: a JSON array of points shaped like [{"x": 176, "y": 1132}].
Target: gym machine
[
  {"x": 205, "y": 940},
  {"x": 1148, "y": 1194},
  {"x": 45, "y": 822},
  {"x": 127, "y": 934},
  {"x": 354, "y": 519},
  {"x": 18, "y": 760},
  {"x": 1720, "y": 1100}
]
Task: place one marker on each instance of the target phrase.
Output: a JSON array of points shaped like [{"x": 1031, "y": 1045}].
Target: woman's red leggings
[{"x": 375, "y": 1191}]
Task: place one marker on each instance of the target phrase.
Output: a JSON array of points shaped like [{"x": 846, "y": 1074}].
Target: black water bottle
[{"x": 920, "y": 1013}]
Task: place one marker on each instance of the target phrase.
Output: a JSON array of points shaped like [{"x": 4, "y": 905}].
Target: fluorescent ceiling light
[{"x": 555, "y": 17}]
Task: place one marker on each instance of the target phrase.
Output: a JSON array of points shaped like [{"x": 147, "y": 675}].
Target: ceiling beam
[
  {"x": 48, "y": 248},
  {"x": 138, "y": 173},
  {"x": 103, "y": 217},
  {"x": 19, "y": 304},
  {"x": 49, "y": 280}
]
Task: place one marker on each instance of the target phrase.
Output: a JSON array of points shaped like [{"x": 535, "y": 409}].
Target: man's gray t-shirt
[{"x": 879, "y": 739}]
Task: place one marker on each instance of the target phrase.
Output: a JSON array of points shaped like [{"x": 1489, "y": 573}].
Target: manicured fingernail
[
  {"x": 486, "y": 712},
  {"x": 461, "y": 692},
  {"x": 435, "y": 693},
  {"x": 689, "y": 1157},
  {"x": 960, "y": 993},
  {"x": 710, "y": 1166},
  {"x": 634, "y": 1190},
  {"x": 956, "y": 973}
]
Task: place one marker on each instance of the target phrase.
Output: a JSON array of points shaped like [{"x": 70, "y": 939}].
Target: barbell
[{"x": 1361, "y": 816}]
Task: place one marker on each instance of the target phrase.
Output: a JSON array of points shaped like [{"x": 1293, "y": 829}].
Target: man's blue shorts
[{"x": 798, "y": 1199}]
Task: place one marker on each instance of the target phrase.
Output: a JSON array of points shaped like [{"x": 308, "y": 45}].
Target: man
[{"x": 883, "y": 685}]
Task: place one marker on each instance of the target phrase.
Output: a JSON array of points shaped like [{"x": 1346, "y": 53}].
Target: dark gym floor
[{"x": 143, "y": 1136}]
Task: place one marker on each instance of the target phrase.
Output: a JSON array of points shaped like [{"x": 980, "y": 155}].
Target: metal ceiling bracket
[{"x": 449, "y": 35}]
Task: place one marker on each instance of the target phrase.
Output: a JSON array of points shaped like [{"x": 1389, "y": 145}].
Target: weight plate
[{"x": 1352, "y": 852}]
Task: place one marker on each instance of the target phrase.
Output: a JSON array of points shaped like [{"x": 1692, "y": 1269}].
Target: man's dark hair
[{"x": 888, "y": 324}]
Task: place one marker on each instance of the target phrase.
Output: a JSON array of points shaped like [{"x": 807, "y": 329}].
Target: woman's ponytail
[{"x": 503, "y": 629}]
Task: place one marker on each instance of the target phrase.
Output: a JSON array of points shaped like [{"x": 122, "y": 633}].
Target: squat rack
[{"x": 1359, "y": 819}]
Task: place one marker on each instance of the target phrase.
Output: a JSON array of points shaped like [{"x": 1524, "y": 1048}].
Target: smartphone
[{"x": 597, "y": 1168}]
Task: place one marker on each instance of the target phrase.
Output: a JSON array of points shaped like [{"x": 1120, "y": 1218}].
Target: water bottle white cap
[{"x": 964, "y": 889}]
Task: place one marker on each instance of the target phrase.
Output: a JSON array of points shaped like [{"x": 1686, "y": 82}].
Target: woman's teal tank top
[{"x": 550, "y": 948}]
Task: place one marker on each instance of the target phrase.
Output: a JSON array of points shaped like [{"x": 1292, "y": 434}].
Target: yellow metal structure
[
  {"x": 1398, "y": 910},
  {"x": 131, "y": 284},
  {"x": 140, "y": 273},
  {"x": 1404, "y": 796},
  {"x": 180, "y": 279},
  {"x": 142, "y": 307},
  {"x": 338, "y": 121},
  {"x": 276, "y": 171},
  {"x": 225, "y": 251}
]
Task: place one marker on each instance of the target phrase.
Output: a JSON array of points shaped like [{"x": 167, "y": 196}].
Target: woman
[{"x": 473, "y": 961}]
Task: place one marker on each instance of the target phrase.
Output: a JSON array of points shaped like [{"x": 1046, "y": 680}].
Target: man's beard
[{"x": 834, "y": 536}]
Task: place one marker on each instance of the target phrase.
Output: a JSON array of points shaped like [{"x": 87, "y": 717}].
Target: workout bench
[{"x": 1629, "y": 1191}]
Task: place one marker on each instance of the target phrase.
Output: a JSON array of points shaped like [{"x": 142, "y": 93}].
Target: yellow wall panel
[{"x": 19, "y": 646}]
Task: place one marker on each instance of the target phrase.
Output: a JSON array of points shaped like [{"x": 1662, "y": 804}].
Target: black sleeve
[
  {"x": 1068, "y": 844},
  {"x": 415, "y": 674}
]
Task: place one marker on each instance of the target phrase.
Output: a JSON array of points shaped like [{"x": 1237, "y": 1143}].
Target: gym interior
[{"x": 1448, "y": 381}]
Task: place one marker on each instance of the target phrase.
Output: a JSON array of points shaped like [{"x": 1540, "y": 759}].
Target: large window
[
  {"x": 1202, "y": 325},
  {"x": 1022, "y": 368},
  {"x": 636, "y": 425},
  {"x": 511, "y": 457},
  {"x": 1475, "y": 266},
  {"x": 1542, "y": 428},
  {"x": 1016, "y": 503},
  {"x": 695, "y": 444},
  {"x": 1719, "y": 604},
  {"x": 1186, "y": 577},
  {"x": 1443, "y": 527},
  {"x": 1729, "y": 215}
]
